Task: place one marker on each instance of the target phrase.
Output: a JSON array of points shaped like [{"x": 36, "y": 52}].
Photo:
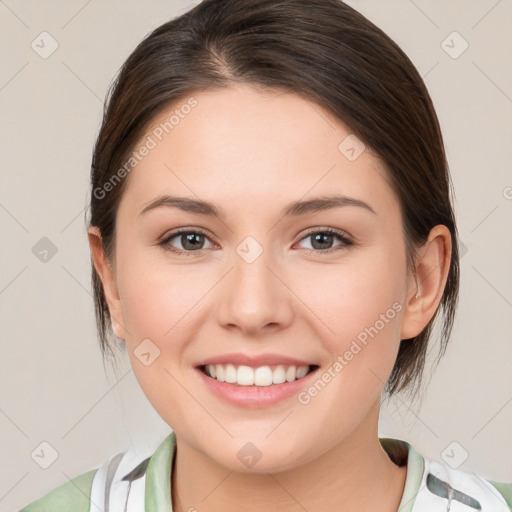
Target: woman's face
[{"x": 258, "y": 281}]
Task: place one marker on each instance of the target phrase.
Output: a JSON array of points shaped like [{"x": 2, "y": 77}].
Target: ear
[
  {"x": 426, "y": 286},
  {"x": 106, "y": 274}
]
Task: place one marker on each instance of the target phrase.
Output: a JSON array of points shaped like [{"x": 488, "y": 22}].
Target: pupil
[
  {"x": 190, "y": 237},
  {"x": 321, "y": 237}
]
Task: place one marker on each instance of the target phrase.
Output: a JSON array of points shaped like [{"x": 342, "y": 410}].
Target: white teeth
[
  {"x": 291, "y": 373},
  {"x": 245, "y": 376},
  {"x": 219, "y": 372},
  {"x": 261, "y": 376},
  {"x": 230, "y": 374},
  {"x": 278, "y": 376},
  {"x": 301, "y": 371}
]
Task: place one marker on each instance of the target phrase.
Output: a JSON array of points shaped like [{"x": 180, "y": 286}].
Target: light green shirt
[{"x": 127, "y": 484}]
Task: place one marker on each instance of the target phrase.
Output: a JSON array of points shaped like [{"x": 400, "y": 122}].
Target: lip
[
  {"x": 255, "y": 396},
  {"x": 256, "y": 360}
]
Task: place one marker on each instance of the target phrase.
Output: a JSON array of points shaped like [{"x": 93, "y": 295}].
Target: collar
[{"x": 158, "y": 474}]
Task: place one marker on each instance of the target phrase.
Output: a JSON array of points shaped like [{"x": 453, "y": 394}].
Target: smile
[{"x": 260, "y": 376}]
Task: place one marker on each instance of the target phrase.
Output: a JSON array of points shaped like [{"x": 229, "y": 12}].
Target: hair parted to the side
[{"x": 328, "y": 53}]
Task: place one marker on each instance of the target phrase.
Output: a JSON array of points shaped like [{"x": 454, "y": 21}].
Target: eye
[
  {"x": 190, "y": 240},
  {"x": 193, "y": 240},
  {"x": 322, "y": 239}
]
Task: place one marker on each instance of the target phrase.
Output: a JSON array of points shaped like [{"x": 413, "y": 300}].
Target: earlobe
[
  {"x": 106, "y": 275},
  {"x": 426, "y": 286}
]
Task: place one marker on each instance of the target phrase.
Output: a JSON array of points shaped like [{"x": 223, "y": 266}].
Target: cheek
[
  {"x": 154, "y": 294},
  {"x": 155, "y": 300},
  {"x": 356, "y": 295},
  {"x": 357, "y": 310}
]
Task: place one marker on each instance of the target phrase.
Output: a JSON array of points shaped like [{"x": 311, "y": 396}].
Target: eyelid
[
  {"x": 342, "y": 235},
  {"x": 346, "y": 240},
  {"x": 326, "y": 229},
  {"x": 185, "y": 230}
]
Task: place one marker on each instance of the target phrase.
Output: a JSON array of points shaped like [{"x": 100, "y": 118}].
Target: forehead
[{"x": 242, "y": 143}]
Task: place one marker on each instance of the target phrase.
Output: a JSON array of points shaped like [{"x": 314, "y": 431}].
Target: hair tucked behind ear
[{"x": 323, "y": 50}]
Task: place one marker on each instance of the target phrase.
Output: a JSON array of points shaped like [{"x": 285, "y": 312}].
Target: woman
[{"x": 272, "y": 239}]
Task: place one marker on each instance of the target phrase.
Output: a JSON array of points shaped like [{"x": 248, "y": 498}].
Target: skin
[{"x": 251, "y": 152}]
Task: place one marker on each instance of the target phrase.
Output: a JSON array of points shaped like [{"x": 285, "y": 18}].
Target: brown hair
[{"x": 328, "y": 53}]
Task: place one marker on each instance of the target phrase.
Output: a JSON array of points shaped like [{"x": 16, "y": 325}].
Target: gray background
[{"x": 53, "y": 384}]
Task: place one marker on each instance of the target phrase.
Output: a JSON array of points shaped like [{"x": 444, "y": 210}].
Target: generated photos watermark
[
  {"x": 305, "y": 397},
  {"x": 151, "y": 142}
]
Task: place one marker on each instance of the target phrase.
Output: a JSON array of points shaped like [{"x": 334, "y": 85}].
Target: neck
[{"x": 341, "y": 480}]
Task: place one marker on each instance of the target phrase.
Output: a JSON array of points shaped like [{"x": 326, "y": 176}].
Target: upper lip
[{"x": 255, "y": 360}]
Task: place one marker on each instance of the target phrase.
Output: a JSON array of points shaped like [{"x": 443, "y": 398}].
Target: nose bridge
[
  {"x": 252, "y": 275},
  {"x": 255, "y": 296}
]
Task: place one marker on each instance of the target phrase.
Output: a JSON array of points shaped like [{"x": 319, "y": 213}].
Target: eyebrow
[{"x": 295, "y": 208}]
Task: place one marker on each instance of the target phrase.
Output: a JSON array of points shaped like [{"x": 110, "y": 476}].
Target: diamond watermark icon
[
  {"x": 463, "y": 249},
  {"x": 454, "y": 45},
  {"x": 44, "y": 250},
  {"x": 454, "y": 455},
  {"x": 351, "y": 147},
  {"x": 146, "y": 352},
  {"x": 249, "y": 454},
  {"x": 44, "y": 455},
  {"x": 44, "y": 45},
  {"x": 249, "y": 249}
]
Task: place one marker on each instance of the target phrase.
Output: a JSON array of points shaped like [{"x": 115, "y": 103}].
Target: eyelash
[{"x": 346, "y": 242}]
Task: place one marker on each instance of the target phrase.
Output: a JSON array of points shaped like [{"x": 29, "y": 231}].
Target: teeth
[
  {"x": 245, "y": 376},
  {"x": 301, "y": 371},
  {"x": 278, "y": 375},
  {"x": 291, "y": 373},
  {"x": 229, "y": 374},
  {"x": 261, "y": 376}
]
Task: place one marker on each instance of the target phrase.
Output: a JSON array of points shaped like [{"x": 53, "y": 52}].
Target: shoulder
[
  {"x": 109, "y": 486},
  {"x": 119, "y": 482},
  {"x": 444, "y": 486},
  {"x": 440, "y": 485},
  {"x": 505, "y": 490},
  {"x": 73, "y": 495}
]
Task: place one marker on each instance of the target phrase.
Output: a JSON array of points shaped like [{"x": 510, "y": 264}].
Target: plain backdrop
[{"x": 54, "y": 388}]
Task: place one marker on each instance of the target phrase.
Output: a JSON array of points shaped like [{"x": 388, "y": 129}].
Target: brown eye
[
  {"x": 322, "y": 240},
  {"x": 188, "y": 241}
]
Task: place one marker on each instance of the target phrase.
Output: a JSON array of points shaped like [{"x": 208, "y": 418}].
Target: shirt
[{"x": 125, "y": 483}]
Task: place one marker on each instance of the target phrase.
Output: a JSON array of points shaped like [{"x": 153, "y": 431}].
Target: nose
[{"x": 255, "y": 296}]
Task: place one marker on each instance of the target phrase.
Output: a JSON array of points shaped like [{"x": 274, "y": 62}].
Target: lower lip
[{"x": 255, "y": 396}]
